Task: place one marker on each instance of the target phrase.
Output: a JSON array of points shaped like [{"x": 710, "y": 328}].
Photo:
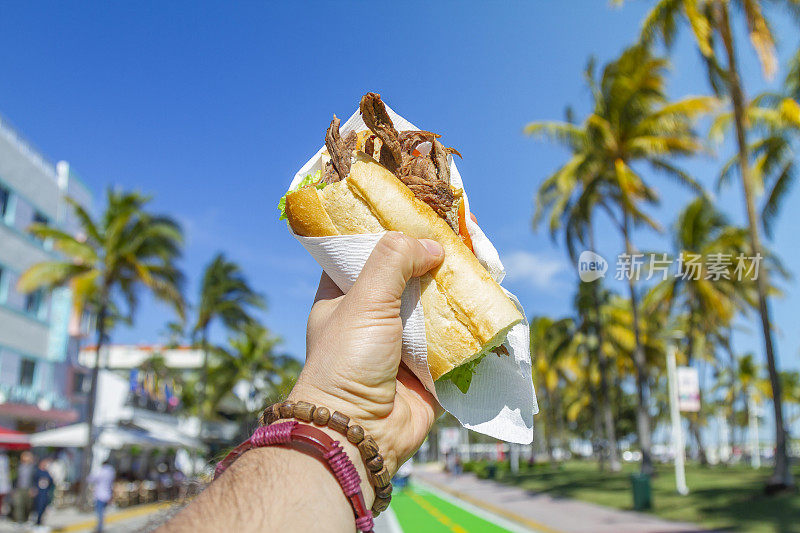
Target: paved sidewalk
[
  {"x": 545, "y": 513},
  {"x": 139, "y": 518}
]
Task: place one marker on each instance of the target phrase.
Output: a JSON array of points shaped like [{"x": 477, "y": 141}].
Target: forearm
[{"x": 274, "y": 489}]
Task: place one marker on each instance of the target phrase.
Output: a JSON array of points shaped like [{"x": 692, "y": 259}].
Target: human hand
[{"x": 353, "y": 350}]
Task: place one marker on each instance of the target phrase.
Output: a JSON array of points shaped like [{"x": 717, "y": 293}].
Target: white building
[{"x": 39, "y": 386}]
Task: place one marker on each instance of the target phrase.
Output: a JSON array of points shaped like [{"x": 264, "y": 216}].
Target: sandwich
[{"x": 383, "y": 179}]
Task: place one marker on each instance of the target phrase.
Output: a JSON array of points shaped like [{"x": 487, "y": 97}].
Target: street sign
[{"x": 688, "y": 389}]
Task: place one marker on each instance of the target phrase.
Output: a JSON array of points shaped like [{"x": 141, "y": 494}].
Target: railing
[{"x": 31, "y": 395}]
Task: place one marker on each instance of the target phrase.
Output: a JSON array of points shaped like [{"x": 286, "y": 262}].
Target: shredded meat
[
  {"x": 380, "y": 123},
  {"x": 439, "y": 157},
  {"x": 428, "y": 176},
  {"x": 500, "y": 350},
  {"x": 340, "y": 150}
]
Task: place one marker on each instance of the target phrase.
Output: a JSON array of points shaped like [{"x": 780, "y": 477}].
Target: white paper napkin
[{"x": 501, "y": 401}]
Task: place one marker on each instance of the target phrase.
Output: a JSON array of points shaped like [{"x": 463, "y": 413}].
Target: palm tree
[
  {"x": 569, "y": 195},
  {"x": 114, "y": 256},
  {"x": 250, "y": 358},
  {"x": 632, "y": 122},
  {"x": 710, "y": 21},
  {"x": 774, "y": 128},
  {"x": 553, "y": 354},
  {"x": 226, "y": 296},
  {"x": 589, "y": 302},
  {"x": 706, "y": 301}
]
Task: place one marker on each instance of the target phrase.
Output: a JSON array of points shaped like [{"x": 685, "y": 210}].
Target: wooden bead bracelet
[{"x": 378, "y": 474}]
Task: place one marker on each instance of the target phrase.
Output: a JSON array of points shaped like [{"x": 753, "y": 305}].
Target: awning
[
  {"x": 168, "y": 433},
  {"x": 113, "y": 438},
  {"x": 13, "y": 440},
  {"x": 33, "y": 413}
]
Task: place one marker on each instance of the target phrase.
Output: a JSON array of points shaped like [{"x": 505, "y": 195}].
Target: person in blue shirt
[{"x": 43, "y": 483}]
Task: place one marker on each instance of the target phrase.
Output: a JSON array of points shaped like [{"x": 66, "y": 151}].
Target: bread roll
[{"x": 466, "y": 311}]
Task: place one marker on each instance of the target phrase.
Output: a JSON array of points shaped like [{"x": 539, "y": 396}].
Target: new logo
[{"x": 591, "y": 266}]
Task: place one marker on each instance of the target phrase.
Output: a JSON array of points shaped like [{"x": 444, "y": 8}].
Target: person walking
[
  {"x": 22, "y": 496},
  {"x": 5, "y": 480},
  {"x": 103, "y": 481},
  {"x": 44, "y": 489}
]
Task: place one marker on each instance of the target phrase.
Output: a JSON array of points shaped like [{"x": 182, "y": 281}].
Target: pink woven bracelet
[{"x": 284, "y": 433}]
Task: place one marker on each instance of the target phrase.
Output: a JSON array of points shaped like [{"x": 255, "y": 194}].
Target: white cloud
[{"x": 535, "y": 270}]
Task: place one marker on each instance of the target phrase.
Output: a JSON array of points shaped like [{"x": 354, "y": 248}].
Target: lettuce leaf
[
  {"x": 311, "y": 179},
  {"x": 462, "y": 375}
]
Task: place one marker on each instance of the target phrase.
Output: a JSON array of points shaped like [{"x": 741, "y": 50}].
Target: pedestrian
[
  {"x": 403, "y": 476},
  {"x": 22, "y": 496},
  {"x": 5, "y": 480},
  {"x": 44, "y": 489},
  {"x": 58, "y": 471},
  {"x": 103, "y": 481}
]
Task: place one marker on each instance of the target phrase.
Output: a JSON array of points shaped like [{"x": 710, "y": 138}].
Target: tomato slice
[{"x": 462, "y": 227}]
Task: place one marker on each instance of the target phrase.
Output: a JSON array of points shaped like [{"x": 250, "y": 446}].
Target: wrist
[
  {"x": 350, "y": 404},
  {"x": 352, "y": 452},
  {"x": 356, "y": 437}
]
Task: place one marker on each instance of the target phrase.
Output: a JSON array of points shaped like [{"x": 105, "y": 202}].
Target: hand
[{"x": 353, "y": 350}]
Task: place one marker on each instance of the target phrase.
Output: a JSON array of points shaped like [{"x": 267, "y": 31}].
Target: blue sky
[{"x": 213, "y": 107}]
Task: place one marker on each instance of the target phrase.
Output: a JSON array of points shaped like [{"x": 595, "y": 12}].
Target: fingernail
[{"x": 433, "y": 247}]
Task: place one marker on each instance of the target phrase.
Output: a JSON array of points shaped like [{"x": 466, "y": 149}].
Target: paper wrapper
[{"x": 501, "y": 401}]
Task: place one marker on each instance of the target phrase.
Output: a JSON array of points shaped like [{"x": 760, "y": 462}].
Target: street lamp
[{"x": 675, "y": 417}]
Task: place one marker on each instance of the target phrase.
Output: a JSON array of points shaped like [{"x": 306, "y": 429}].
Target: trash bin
[
  {"x": 491, "y": 470},
  {"x": 642, "y": 495}
]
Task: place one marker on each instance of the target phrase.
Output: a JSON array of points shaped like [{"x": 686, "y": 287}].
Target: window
[
  {"x": 81, "y": 383},
  {"x": 39, "y": 218},
  {"x": 5, "y": 199},
  {"x": 34, "y": 303},
  {"x": 27, "y": 369}
]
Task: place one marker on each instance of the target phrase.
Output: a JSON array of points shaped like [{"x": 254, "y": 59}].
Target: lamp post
[
  {"x": 675, "y": 417},
  {"x": 752, "y": 420}
]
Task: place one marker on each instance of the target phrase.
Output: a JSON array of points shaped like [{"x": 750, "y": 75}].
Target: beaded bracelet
[
  {"x": 378, "y": 474},
  {"x": 327, "y": 449}
]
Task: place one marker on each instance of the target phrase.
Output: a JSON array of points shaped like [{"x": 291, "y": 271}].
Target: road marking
[
  {"x": 436, "y": 513},
  {"x": 492, "y": 517},
  {"x": 139, "y": 510},
  {"x": 532, "y": 524}
]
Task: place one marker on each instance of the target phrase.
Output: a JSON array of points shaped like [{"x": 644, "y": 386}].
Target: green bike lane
[{"x": 419, "y": 509}]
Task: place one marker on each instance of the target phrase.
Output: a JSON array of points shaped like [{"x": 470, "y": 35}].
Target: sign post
[
  {"x": 688, "y": 389},
  {"x": 752, "y": 421},
  {"x": 675, "y": 417}
]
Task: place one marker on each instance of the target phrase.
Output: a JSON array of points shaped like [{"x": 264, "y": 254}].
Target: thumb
[{"x": 394, "y": 260}]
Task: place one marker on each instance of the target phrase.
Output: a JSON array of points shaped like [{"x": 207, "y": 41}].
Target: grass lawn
[{"x": 728, "y": 498}]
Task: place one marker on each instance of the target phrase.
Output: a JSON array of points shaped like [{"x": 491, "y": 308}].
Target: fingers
[
  {"x": 395, "y": 260},
  {"x": 327, "y": 289}
]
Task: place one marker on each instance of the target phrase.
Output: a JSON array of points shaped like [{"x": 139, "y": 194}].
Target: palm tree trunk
[
  {"x": 597, "y": 435},
  {"x": 86, "y": 465},
  {"x": 602, "y": 361},
  {"x": 731, "y": 409},
  {"x": 694, "y": 428},
  {"x": 642, "y": 392},
  {"x": 549, "y": 426},
  {"x": 204, "y": 386},
  {"x": 782, "y": 475}
]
